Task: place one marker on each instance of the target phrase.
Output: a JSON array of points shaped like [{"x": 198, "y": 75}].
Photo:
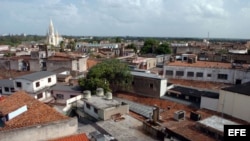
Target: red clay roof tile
[
  {"x": 77, "y": 137},
  {"x": 37, "y": 113}
]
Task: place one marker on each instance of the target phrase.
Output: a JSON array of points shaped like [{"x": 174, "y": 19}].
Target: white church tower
[{"x": 53, "y": 37}]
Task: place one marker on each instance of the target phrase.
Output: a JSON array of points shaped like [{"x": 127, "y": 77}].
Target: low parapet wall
[{"x": 42, "y": 131}]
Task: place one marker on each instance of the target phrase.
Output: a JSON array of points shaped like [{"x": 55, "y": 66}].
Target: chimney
[{"x": 156, "y": 113}]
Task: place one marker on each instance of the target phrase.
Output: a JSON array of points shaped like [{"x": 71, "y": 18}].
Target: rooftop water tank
[
  {"x": 87, "y": 94},
  {"x": 99, "y": 92},
  {"x": 109, "y": 95}
]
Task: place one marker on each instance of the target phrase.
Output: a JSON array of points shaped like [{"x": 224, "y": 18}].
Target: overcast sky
[{"x": 162, "y": 18}]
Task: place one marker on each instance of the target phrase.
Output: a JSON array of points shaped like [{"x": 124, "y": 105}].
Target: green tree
[
  {"x": 62, "y": 45},
  {"x": 111, "y": 72},
  {"x": 163, "y": 49},
  {"x": 149, "y": 46},
  {"x": 71, "y": 45},
  {"x": 118, "y": 40},
  {"x": 132, "y": 46},
  {"x": 94, "y": 83}
]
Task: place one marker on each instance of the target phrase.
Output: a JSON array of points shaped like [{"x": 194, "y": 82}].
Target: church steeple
[
  {"x": 51, "y": 28},
  {"x": 53, "y": 37}
]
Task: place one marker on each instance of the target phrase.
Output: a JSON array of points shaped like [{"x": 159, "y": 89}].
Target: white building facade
[
  {"x": 212, "y": 74},
  {"x": 37, "y": 84}
]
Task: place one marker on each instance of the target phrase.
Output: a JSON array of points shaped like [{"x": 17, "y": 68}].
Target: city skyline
[{"x": 160, "y": 18}]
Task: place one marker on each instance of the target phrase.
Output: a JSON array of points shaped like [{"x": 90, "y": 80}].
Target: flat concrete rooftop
[
  {"x": 216, "y": 123},
  {"x": 100, "y": 102}
]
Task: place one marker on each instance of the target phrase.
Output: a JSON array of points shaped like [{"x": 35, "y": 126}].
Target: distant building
[
  {"x": 53, "y": 38},
  {"x": 234, "y": 73}
]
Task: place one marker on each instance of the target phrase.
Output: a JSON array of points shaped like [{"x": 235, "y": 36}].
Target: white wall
[
  {"x": 30, "y": 86},
  {"x": 44, "y": 83},
  {"x": 163, "y": 87},
  {"x": 232, "y": 74},
  {"x": 236, "y": 105},
  {"x": 209, "y": 103},
  {"x": 90, "y": 111},
  {"x": 26, "y": 85}
]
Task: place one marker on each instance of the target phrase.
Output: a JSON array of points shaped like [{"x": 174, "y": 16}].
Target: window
[
  {"x": 199, "y": 74},
  {"x": 12, "y": 89},
  {"x": 49, "y": 79},
  {"x": 95, "y": 110},
  {"x": 151, "y": 85},
  {"x": 37, "y": 84},
  {"x": 209, "y": 75},
  {"x": 1, "y": 90},
  {"x": 59, "y": 96},
  {"x": 19, "y": 84},
  {"x": 6, "y": 89},
  {"x": 87, "y": 105},
  {"x": 190, "y": 74},
  {"x": 133, "y": 82},
  {"x": 222, "y": 76},
  {"x": 39, "y": 95},
  {"x": 169, "y": 72},
  {"x": 179, "y": 73},
  {"x": 71, "y": 96}
]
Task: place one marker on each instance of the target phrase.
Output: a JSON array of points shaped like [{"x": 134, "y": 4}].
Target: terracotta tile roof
[
  {"x": 77, "y": 137},
  {"x": 91, "y": 63},
  {"x": 204, "y": 64},
  {"x": 59, "y": 58},
  {"x": 37, "y": 113}
]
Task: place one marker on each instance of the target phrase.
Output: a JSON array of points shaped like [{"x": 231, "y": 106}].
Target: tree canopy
[
  {"x": 153, "y": 46},
  {"x": 132, "y": 46},
  {"x": 110, "y": 74}
]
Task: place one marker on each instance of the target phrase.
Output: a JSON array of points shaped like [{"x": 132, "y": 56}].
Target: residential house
[
  {"x": 235, "y": 101},
  {"x": 139, "y": 62},
  {"x": 103, "y": 107},
  {"x": 62, "y": 93},
  {"x": 6, "y": 86},
  {"x": 63, "y": 75},
  {"x": 148, "y": 84},
  {"x": 25, "y": 118},
  {"x": 38, "y": 84},
  {"x": 93, "y": 47},
  {"x": 74, "y": 62}
]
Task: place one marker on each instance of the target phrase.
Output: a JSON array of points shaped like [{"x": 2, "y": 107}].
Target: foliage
[
  {"x": 115, "y": 73},
  {"x": 132, "y": 46},
  {"x": 14, "y": 40},
  {"x": 163, "y": 49},
  {"x": 153, "y": 46},
  {"x": 94, "y": 83},
  {"x": 62, "y": 45},
  {"x": 8, "y": 54},
  {"x": 149, "y": 46},
  {"x": 71, "y": 45},
  {"x": 118, "y": 40}
]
